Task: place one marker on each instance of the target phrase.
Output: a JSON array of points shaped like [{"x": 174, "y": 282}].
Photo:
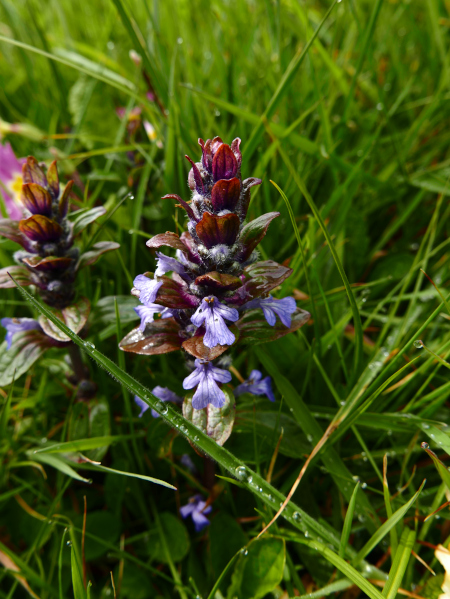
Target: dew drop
[
  {"x": 270, "y": 498},
  {"x": 425, "y": 445},
  {"x": 196, "y": 439},
  {"x": 306, "y": 534},
  {"x": 244, "y": 551},
  {"x": 69, "y": 543},
  {"x": 418, "y": 344},
  {"x": 363, "y": 485},
  {"x": 240, "y": 472},
  {"x": 297, "y": 516},
  {"x": 425, "y": 425},
  {"x": 89, "y": 345}
]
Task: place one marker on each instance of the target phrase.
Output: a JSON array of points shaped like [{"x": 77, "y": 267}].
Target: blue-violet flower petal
[
  {"x": 212, "y": 313},
  {"x": 17, "y": 325},
  {"x": 272, "y": 307},
  {"x": 204, "y": 377},
  {"x": 256, "y": 385}
]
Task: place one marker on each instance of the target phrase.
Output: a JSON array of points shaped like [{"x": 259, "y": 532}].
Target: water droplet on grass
[
  {"x": 418, "y": 344},
  {"x": 240, "y": 472}
]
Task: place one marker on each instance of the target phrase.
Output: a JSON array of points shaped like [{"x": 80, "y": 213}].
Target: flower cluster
[
  {"x": 38, "y": 206},
  {"x": 218, "y": 294},
  {"x": 48, "y": 255}
]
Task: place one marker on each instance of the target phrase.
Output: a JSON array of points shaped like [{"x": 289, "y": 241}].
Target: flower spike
[{"x": 213, "y": 281}]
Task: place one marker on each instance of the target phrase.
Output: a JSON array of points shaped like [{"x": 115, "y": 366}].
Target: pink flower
[{"x": 11, "y": 181}]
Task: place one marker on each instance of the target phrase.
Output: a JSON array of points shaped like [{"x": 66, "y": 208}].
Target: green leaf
[
  {"x": 105, "y": 310},
  {"x": 259, "y": 569},
  {"x": 386, "y": 527},
  {"x": 59, "y": 464},
  {"x": 102, "y": 524},
  {"x": 226, "y": 538},
  {"x": 83, "y": 218},
  {"x": 217, "y": 423},
  {"x": 74, "y": 316},
  {"x": 177, "y": 539},
  {"x": 440, "y": 466},
  {"x": 26, "y": 348},
  {"x": 79, "y": 592},
  {"x": 346, "y": 530},
  {"x": 284, "y": 84},
  {"x": 269, "y": 425},
  {"x": 399, "y": 564},
  {"x": 349, "y": 571},
  {"x": 82, "y": 444},
  {"x": 149, "y": 479},
  {"x": 99, "y": 426},
  {"x": 97, "y": 250}
]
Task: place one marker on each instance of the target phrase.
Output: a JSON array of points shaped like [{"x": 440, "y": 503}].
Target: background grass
[{"x": 359, "y": 119}]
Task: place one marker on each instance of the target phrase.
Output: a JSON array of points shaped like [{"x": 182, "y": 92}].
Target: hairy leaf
[
  {"x": 160, "y": 337},
  {"x": 20, "y": 273},
  {"x": 83, "y": 218},
  {"x": 217, "y": 423},
  {"x": 253, "y": 232},
  {"x": 25, "y": 349},
  {"x": 74, "y": 316}
]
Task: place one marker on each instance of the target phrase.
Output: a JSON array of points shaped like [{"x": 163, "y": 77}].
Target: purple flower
[
  {"x": 196, "y": 508},
  {"x": 256, "y": 385},
  {"x": 147, "y": 312},
  {"x": 187, "y": 462},
  {"x": 162, "y": 393},
  {"x": 204, "y": 378},
  {"x": 212, "y": 313},
  {"x": 11, "y": 181},
  {"x": 147, "y": 288},
  {"x": 272, "y": 307},
  {"x": 17, "y": 325},
  {"x": 167, "y": 264}
]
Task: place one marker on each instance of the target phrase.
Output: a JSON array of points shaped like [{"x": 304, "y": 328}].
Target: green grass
[{"x": 351, "y": 127}]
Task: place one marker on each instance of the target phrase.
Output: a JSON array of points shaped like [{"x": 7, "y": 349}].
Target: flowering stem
[
  {"x": 78, "y": 367},
  {"x": 209, "y": 473}
]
